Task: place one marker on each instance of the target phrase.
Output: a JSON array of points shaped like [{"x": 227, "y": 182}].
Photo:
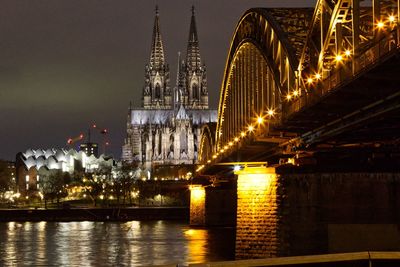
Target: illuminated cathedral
[{"x": 166, "y": 129}]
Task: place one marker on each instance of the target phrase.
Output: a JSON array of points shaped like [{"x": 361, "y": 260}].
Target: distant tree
[
  {"x": 127, "y": 176},
  {"x": 94, "y": 184},
  {"x": 53, "y": 186}
]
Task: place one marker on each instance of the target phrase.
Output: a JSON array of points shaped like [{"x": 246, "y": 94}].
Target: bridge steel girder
[
  {"x": 207, "y": 141},
  {"x": 273, "y": 55},
  {"x": 340, "y": 26},
  {"x": 260, "y": 69}
]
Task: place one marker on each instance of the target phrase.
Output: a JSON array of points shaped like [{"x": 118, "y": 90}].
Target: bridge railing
[{"x": 367, "y": 59}]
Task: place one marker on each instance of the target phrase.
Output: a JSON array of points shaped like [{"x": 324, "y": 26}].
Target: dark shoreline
[{"x": 95, "y": 214}]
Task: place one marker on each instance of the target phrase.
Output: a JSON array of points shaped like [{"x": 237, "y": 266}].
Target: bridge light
[
  {"x": 214, "y": 156},
  {"x": 310, "y": 80},
  {"x": 230, "y": 143},
  {"x": 271, "y": 112},
  {"x": 208, "y": 161},
  {"x": 317, "y": 76},
  {"x": 288, "y": 97},
  {"x": 222, "y": 150},
  {"x": 225, "y": 147},
  {"x": 242, "y": 134},
  {"x": 260, "y": 120},
  {"x": 347, "y": 52},
  {"x": 251, "y": 128},
  {"x": 339, "y": 58},
  {"x": 380, "y": 25},
  {"x": 295, "y": 93},
  {"x": 236, "y": 139},
  {"x": 392, "y": 18}
]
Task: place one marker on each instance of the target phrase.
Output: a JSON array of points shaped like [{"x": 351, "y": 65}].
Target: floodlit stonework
[{"x": 166, "y": 129}]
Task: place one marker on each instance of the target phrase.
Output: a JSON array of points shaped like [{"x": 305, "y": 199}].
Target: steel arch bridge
[{"x": 281, "y": 62}]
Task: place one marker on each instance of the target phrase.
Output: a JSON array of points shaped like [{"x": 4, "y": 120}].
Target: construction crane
[
  {"x": 92, "y": 128},
  {"x": 73, "y": 140},
  {"x": 104, "y": 133}
]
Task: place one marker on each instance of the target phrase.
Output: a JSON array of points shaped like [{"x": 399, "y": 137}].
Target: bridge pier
[
  {"x": 258, "y": 214},
  {"x": 197, "y": 205},
  {"x": 293, "y": 211},
  {"x": 213, "y": 205}
]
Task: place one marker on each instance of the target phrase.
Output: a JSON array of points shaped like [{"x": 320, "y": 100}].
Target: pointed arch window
[
  {"x": 158, "y": 91},
  {"x": 195, "y": 90}
]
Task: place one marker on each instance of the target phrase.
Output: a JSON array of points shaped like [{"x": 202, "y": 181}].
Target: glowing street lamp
[
  {"x": 260, "y": 120},
  {"x": 380, "y": 25},
  {"x": 271, "y": 112},
  {"x": 339, "y": 58},
  {"x": 251, "y": 128}
]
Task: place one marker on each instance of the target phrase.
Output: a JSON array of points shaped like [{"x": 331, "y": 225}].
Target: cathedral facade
[{"x": 166, "y": 129}]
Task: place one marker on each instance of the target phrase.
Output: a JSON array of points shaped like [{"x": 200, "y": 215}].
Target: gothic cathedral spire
[
  {"x": 157, "y": 58},
  {"x": 156, "y": 91},
  {"x": 193, "y": 52},
  {"x": 193, "y": 82}
]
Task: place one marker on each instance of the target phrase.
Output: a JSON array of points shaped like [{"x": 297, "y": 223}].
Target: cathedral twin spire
[
  {"x": 191, "y": 88},
  {"x": 193, "y": 51},
  {"x": 157, "y": 57}
]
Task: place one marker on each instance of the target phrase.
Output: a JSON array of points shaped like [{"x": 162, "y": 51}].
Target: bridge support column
[
  {"x": 197, "y": 205},
  {"x": 257, "y": 231}
]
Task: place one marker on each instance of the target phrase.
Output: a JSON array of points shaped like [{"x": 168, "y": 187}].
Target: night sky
[{"x": 65, "y": 64}]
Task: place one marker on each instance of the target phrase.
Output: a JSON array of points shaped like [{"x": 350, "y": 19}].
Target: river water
[{"x": 134, "y": 243}]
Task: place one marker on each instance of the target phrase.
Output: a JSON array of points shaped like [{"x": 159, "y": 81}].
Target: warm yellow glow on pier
[
  {"x": 197, "y": 204},
  {"x": 256, "y": 211}
]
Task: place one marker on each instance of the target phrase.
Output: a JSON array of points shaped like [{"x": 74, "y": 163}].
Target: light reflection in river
[{"x": 132, "y": 243}]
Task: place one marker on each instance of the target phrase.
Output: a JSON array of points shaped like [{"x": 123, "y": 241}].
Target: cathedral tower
[
  {"x": 156, "y": 91},
  {"x": 166, "y": 129},
  {"x": 192, "y": 77}
]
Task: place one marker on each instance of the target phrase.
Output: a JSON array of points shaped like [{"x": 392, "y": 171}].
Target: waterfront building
[
  {"x": 32, "y": 164},
  {"x": 166, "y": 129}
]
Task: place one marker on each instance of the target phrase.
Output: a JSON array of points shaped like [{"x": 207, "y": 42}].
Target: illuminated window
[{"x": 27, "y": 178}]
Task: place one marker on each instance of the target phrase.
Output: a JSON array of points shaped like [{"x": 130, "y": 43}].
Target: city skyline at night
[{"x": 66, "y": 65}]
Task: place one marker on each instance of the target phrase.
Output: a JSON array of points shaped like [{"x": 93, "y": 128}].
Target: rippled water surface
[{"x": 132, "y": 243}]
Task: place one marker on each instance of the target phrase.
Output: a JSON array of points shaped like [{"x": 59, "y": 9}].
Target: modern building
[
  {"x": 32, "y": 164},
  {"x": 90, "y": 148},
  {"x": 166, "y": 130},
  {"x": 7, "y": 173}
]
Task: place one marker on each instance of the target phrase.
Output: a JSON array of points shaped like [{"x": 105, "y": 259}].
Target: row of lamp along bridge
[{"x": 256, "y": 183}]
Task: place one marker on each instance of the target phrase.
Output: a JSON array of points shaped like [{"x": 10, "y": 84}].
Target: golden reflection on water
[
  {"x": 197, "y": 245},
  {"x": 135, "y": 243}
]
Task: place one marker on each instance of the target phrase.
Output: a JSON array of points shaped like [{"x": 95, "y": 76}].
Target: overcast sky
[{"x": 65, "y": 64}]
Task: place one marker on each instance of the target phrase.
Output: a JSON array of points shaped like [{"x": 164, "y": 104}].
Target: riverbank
[{"x": 95, "y": 214}]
